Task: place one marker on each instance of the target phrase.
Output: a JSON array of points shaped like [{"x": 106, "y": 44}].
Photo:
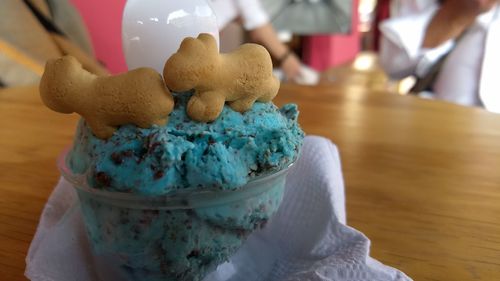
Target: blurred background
[
  {"x": 366, "y": 43},
  {"x": 323, "y": 44}
]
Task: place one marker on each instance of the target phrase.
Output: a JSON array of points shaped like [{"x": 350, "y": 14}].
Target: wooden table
[{"x": 422, "y": 177}]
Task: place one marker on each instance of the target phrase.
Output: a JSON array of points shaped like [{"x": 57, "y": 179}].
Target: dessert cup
[{"x": 181, "y": 235}]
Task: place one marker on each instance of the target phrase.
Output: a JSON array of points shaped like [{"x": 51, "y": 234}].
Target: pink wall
[
  {"x": 324, "y": 51},
  {"x": 104, "y": 20}
]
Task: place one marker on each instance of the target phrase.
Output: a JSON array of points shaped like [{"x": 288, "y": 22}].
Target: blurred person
[
  {"x": 451, "y": 46},
  {"x": 256, "y": 21},
  {"x": 33, "y": 31}
]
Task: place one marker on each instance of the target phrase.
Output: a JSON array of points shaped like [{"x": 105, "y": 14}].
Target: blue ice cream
[
  {"x": 238, "y": 157},
  {"x": 224, "y": 154}
]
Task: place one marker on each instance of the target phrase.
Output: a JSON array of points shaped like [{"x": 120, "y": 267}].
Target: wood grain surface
[{"x": 422, "y": 177}]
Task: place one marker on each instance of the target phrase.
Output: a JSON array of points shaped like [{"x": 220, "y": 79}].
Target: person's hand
[
  {"x": 291, "y": 67},
  {"x": 484, "y": 6},
  {"x": 481, "y": 6},
  {"x": 466, "y": 11},
  {"x": 453, "y": 18}
]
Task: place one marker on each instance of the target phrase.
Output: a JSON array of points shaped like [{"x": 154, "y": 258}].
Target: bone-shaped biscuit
[
  {"x": 137, "y": 97},
  {"x": 239, "y": 78}
]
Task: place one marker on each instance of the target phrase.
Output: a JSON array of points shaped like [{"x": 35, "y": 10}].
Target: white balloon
[{"x": 152, "y": 30}]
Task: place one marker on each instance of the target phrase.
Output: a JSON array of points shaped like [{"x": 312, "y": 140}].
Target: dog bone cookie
[
  {"x": 239, "y": 78},
  {"x": 137, "y": 97}
]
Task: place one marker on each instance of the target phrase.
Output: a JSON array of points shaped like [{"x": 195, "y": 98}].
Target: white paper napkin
[{"x": 306, "y": 240}]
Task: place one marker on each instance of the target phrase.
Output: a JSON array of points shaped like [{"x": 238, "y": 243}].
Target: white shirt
[
  {"x": 250, "y": 11},
  {"x": 465, "y": 78}
]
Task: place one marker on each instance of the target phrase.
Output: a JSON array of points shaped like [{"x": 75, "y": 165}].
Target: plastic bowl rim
[{"x": 79, "y": 182}]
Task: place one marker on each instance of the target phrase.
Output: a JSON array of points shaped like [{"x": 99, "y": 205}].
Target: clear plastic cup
[{"x": 180, "y": 236}]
